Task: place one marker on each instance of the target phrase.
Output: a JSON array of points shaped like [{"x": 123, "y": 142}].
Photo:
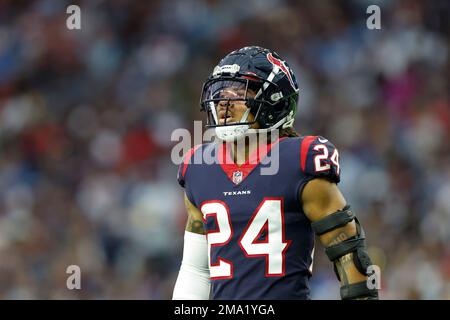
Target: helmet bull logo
[{"x": 280, "y": 64}]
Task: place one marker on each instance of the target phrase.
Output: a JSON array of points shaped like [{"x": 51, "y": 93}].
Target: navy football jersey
[{"x": 260, "y": 242}]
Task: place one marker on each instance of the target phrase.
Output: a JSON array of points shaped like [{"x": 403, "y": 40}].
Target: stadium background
[{"x": 86, "y": 117}]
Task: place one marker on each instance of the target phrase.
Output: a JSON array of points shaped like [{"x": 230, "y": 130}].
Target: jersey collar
[{"x": 238, "y": 173}]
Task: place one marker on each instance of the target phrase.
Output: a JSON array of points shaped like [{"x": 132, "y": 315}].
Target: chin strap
[{"x": 231, "y": 133}]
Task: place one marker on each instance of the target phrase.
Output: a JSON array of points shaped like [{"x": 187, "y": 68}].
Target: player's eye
[
  {"x": 232, "y": 94},
  {"x": 227, "y": 89}
]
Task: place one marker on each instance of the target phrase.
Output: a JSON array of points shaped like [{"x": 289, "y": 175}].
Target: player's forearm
[
  {"x": 348, "y": 273},
  {"x": 344, "y": 239},
  {"x": 345, "y": 266},
  {"x": 192, "y": 283},
  {"x": 193, "y": 278}
]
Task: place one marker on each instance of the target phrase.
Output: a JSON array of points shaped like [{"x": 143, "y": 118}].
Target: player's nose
[{"x": 223, "y": 104}]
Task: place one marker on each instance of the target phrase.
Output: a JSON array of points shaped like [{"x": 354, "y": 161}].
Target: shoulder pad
[{"x": 182, "y": 169}]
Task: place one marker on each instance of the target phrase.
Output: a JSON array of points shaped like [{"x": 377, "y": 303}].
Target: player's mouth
[{"x": 223, "y": 115}]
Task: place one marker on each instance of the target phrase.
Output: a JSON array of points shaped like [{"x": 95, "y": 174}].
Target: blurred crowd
[{"x": 86, "y": 118}]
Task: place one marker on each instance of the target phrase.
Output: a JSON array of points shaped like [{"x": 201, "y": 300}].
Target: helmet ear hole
[{"x": 253, "y": 105}]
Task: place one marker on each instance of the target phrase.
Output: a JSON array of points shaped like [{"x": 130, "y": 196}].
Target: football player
[{"x": 251, "y": 235}]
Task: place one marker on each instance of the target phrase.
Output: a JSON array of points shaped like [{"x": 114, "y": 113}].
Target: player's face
[{"x": 233, "y": 110}]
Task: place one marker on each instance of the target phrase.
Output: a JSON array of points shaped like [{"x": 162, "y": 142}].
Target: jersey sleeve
[{"x": 319, "y": 159}]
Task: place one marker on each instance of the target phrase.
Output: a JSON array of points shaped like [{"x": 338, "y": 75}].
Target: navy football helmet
[{"x": 264, "y": 74}]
